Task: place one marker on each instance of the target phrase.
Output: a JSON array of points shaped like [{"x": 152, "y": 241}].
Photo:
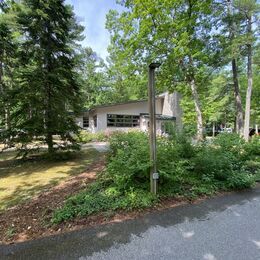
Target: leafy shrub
[
  {"x": 86, "y": 137},
  {"x": 230, "y": 143},
  {"x": 240, "y": 180},
  {"x": 129, "y": 160},
  {"x": 252, "y": 148},
  {"x": 185, "y": 170},
  {"x": 215, "y": 162},
  {"x": 224, "y": 155},
  {"x": 177, "y": 160},
  {"x": 98, "y": 198}
]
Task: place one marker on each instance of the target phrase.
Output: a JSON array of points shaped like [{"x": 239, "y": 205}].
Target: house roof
[{"x": 121, "y": 103}]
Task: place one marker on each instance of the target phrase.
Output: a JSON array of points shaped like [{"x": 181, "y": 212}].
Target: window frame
[
  {"x": 123, "y": 120},
  {"x": 84, "y": 120}
]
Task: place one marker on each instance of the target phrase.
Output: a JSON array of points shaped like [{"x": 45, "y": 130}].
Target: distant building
[{"x": 132, "y": 115}]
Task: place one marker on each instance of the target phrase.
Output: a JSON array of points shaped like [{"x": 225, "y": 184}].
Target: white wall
[
  {"x": 123, "y": 109},
  {"x": 167, "y": 104},
  {"x": 79, "y": 121},
  {"x": 171, "y": 107}
]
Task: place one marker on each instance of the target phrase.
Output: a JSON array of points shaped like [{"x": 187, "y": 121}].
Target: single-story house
[{"x": 132, "y": 115}]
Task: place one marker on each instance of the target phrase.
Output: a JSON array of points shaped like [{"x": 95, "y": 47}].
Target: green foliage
[
  {"x": 86, "y": 137},
  {"x": 100, "y": 197},
  {"x": 185, "y": 170},
  {"x": 45, "y": 93},
  {"x": 96, "y": 84},
  {"x": 240, "y": 180},
  {"x": 226, "y": 160},
  {"x": 10, "y": 232},
  {"x": 229, "y": 142},
  {"x": 182, "y": 166},
  {"x": 252, "y": 148},
  {"x": 129, "y": 160}
]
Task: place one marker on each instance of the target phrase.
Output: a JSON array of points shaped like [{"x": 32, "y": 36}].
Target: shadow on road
[{"x": 88, "y": 241}]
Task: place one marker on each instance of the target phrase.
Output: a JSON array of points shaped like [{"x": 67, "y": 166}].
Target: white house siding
[
  {"x": 171, "y": 107},
  {"x": 166, "y": 104},
  {"x": 79, "y": 121},
  {"x": 134, "y": 108}
]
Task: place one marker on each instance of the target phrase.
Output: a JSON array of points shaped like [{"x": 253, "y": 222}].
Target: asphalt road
[{"x": 226, "y": 227}]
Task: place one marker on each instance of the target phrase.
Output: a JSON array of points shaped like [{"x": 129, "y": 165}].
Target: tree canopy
[{"x": 209, "y": 52}]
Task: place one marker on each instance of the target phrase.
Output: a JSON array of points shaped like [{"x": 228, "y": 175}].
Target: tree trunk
[
  {"x": 197, "y": 109},
  {"x": 213, "y": 129},
  {"x": 49, "y": 138},
  {"x": 249, "y": 82},
  {"x": 7, "y": 118},
  {"x": 238, "y": 102},
  {"x": 49, "y": 141}
]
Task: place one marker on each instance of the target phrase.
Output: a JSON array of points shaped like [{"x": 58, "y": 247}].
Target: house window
[
  {"x": 95, "y": 120},
  {"x": 85, "y": 122},
  {"x": 122, "y": 120}
]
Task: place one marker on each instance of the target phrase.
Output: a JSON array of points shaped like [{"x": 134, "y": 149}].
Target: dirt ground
[{"x": 30, "y": 220}]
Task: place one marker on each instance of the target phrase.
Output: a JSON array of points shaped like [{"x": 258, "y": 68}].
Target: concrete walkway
[{"x": 226, "y": 227}]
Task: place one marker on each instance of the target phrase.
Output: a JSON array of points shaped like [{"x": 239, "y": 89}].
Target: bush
[
  {"x": 185, "y": 170},
  {"x": 252, "y": 148},
  {"x": 86, "y": 137},
  {"x": 229, "y": 142},
  {"x": 98, "y": 198},
  {"x": 129, "y": 160},
  {"x": 215, "y": 162},
  {"x": 240, "y": 180},
  {"x": 179, "y": 163}
]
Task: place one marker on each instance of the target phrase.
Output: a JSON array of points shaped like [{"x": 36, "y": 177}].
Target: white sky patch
[{"x": 92, "y": 15}]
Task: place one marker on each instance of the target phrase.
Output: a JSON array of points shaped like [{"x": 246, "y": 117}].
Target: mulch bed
[{"x": 30, "y": 220}]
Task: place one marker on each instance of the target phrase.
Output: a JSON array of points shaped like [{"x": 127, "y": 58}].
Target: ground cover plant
[{"x": 185, "y": 170}]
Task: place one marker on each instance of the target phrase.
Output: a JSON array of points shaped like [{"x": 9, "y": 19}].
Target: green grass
[{"x": 20, "y": 180}]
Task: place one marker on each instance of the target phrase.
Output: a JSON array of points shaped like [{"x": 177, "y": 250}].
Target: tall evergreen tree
[
  {"x": 49, "y": 92},
  {"x": 8, "y": 62}
]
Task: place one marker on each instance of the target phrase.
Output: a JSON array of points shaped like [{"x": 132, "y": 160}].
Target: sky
[{"x": 92, "y": 15}]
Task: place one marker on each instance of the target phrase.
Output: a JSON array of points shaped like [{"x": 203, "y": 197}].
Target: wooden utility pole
[{"x": 154, "y": 176}]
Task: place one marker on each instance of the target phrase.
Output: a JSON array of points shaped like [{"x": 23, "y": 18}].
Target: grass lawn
[{"x": 20, "y": 180}]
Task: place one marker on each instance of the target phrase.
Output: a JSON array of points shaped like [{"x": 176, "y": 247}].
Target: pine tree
[
  {"x": 8, "y": 63},
  {"x": 49, "y": 92}
]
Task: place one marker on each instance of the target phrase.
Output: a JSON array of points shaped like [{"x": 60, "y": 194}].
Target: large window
[
  {"x": 85, "y": 122},
  {"x": 122, "y": 120}
]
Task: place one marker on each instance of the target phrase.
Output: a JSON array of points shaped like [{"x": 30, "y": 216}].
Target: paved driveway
[{"x": 226, "y": 227}]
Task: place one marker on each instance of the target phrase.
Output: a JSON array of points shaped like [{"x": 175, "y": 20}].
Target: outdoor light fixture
[
  {"x": 154, "y": 65},
  {"x": 154, "y": 176}
]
